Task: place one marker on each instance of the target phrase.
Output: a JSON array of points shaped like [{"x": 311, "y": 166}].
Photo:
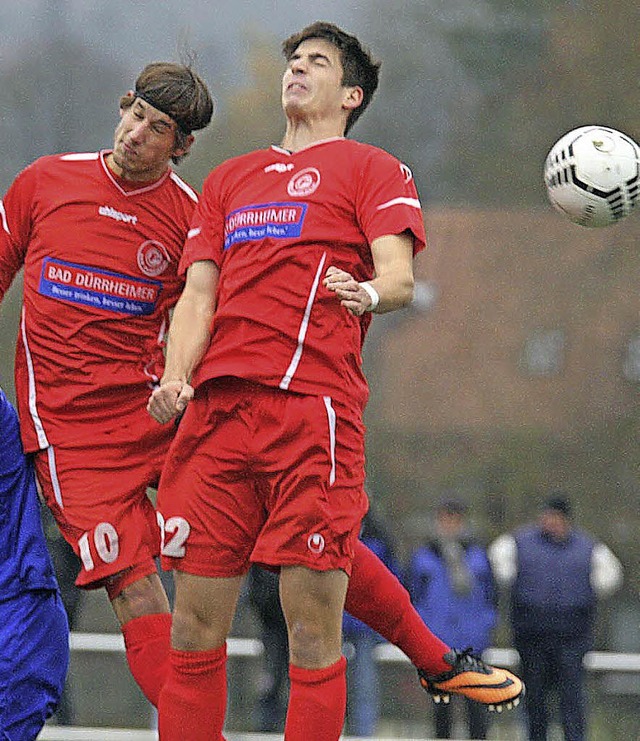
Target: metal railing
[{"x": 252, "y": 648}]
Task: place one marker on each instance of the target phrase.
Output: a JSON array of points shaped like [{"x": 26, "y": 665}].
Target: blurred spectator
[
  {"x": 264, "y": 597},
  {"x": 34, "y": 631},
  {"x": 363, "y": 690},
  {"x": 66, "y": 565},
  {"x": 452, "y": 587},
  {"x": 556, "y": 573}
]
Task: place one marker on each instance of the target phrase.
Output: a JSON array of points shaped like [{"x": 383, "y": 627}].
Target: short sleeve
[
  {"x": 15, "y": 231},
  {"x": 205, "y": 238},
  {"x": 387, "y": 199}
]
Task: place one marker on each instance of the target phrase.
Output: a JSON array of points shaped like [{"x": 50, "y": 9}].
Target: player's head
[
  {"x": 556, "y": 516},
  {"x": 451, "y": 514},
  {"x": 359, "y": 69},
  {"x": 179, "y": 93}
]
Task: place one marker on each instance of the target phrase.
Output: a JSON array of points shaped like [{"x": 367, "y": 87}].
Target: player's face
[
  {"x": 145, "y": 141},
  {"x": 450, "y": 524},
  {"x": 312, "y": 83},
  {"x": 555, "y": 524}
]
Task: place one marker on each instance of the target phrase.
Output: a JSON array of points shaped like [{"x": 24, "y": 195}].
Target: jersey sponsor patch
[
  {"x": 79, "y": 284},
  {"x": 275, "y": 220}
]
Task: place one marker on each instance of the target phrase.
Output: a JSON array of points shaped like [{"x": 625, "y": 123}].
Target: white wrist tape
[{"x": 373, "y": 295}]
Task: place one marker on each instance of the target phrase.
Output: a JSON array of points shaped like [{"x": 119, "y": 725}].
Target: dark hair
[
  {"x": 559, "y": 502},
  {"x": 359, "y": 67},
  {"x": 452, "y": 506},
  {"x": 179, "y": 92}
]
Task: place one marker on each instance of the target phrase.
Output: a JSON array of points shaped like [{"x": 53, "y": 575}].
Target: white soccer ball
[{"x": 592, "y": 175}]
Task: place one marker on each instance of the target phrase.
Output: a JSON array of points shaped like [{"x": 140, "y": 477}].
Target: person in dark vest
[{"x": 556, "y": 573}]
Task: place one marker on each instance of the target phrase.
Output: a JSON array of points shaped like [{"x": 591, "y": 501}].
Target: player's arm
[
  {"x": 392, "y": 287},
  {"x": 11, "y": 260},
  {"x": 606, "y": 571},
  {"x": 15, "y": 227},
  {"x": 503, "y": 557},
  {"x": 188, "y": 340}
]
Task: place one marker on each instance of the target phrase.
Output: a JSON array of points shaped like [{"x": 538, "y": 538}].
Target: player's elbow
[
  {"x": 397, "y": 294},
  {"x": 405, "y": 291}
]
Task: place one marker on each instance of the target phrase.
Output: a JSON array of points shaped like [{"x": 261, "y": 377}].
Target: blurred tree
[
  {"x": 62, "y": 98},
  {"x": 499, "y": 81},
  {"x": 586, "y": 72},
  {"x": 247, "y": 118},
  {"x": 423, "y": 86},
  {"x": 442, "y": 64},
  {"x": 591, "y": 75}
]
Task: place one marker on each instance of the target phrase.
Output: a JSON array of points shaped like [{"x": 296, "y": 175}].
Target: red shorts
[
  {"x": 98, "y": 496},
  {"x": 263, "y": 475}
]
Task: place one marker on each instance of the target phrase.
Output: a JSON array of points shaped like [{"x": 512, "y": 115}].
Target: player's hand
[
  {"x": 169, "y": 400},
  {"x": 352, "y": 295}
]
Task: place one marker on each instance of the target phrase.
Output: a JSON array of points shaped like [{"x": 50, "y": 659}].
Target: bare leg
[
  {"x": 194, "y": 697},
  {"x": 312, "y": 602},
  {"x": 143, "y": 611}
]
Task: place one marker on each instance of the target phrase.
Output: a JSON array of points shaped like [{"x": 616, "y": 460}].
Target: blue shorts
[{"x": 34, "y": 635}]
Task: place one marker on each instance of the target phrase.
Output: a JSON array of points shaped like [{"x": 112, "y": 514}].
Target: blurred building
[{"x": 524, "y": 372}]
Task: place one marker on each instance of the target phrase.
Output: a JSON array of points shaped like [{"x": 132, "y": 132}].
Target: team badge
[
  {"x": 304, "y": 183},
  {"x": 152, "y": 258},
  {"x": 315, "y": 543}
]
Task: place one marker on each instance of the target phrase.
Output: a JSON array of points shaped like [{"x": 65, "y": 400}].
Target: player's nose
[
  {"x": 298, "y": 65},
  {"x": 138, "y": 131}
]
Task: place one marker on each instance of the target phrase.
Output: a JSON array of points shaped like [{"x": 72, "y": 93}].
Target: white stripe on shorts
[
  {"x": 331, "y": 416},
  {"x": 33, "y": 406},
  {"x": 53, "y": 472}
]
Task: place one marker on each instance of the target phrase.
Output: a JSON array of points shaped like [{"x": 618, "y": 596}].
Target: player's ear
[
  {"x": 353, "y": 97},
  {"x": 184, "y": 148},
  {"x": 123, "y": 108}
]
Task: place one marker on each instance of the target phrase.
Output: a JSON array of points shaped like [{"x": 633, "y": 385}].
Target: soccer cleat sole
[
  {"x": 492, "y": 707},
  {"x": 495, "y": 697}
]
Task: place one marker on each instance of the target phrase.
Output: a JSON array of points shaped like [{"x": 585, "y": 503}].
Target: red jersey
[
  {"x": 100, "y": 258},
  {"x": 274, "y": 221}
]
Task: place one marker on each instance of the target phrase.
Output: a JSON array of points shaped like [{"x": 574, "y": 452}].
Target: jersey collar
[
  {"x": 281, "y": 150},
  {"x": 126, "y": 187}
]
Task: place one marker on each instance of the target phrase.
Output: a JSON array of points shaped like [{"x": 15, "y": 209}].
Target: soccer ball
[{"x": 592, "y": 175}]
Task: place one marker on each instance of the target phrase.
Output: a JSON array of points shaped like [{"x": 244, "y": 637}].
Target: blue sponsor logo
[
  {"x": 79, "y": 284},
  {"x": 267, "y": 220}
]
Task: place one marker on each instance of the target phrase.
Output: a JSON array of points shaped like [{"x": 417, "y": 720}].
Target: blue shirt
[
  {"x": 25, "y": 564},
  {"x": 459, "y": 620}
]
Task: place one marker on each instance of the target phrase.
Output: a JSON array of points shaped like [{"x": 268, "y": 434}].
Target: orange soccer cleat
[{"x": 470, "y": 677}]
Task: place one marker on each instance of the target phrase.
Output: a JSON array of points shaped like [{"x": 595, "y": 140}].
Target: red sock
[
  {"x": 147, "y": 640},
  {"x": 317, "y": 702},
  {"x": 377, "y": 597},
  {"x": 193, "y": 700}
]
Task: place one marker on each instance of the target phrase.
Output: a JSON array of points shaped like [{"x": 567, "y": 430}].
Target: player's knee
[
  {"x": 313, "y": 644},
  {"x": 134, "y": 598},
  {"x": 312, "y": 603},
  {"x": 191, "y": 632}
]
